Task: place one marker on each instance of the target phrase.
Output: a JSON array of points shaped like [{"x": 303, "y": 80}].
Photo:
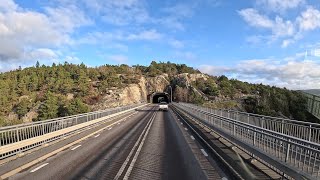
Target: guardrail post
[
  {"x": 288, "y": 150},
  {"x": 312, "y": 106},
  {"x": 43, "y": 131},
  {"x": 248, "y": 119},
  {"x": 17, "y": 132},
  {"x": 282, "y": 126},
  {"x": 262, "y": 122},
  {"x": 310, "y": 131},
  {"x": 234, "y": 129}
]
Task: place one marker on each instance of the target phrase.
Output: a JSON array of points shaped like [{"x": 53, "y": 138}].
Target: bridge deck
[{"x": 146, "y": 144}]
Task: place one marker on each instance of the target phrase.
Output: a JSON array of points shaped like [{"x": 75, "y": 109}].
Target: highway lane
[
  {"x": 148, "y": 145},
  {"x": 16, "y": 162}
]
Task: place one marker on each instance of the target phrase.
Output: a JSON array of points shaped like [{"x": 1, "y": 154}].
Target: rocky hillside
[{"x": 44, "y": 92}]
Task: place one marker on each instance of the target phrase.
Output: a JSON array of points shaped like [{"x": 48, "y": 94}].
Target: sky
[{"x": 275, "y": 42}]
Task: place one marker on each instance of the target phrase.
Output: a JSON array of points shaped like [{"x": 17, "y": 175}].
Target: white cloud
[
  {"x": 42, "y": 53},
  {"x": 309, "y": 19},
  {"x": 287, "y": 31},
  {"x": 124, "y": 12},
  {"x": 286, "y": 43},
  {"x": 278, "y": 27},
  {"x": 66, "y": 19},
  {"x": 27, "y": 35},
  {"x": 293, "y": 74},
  {"x": 146, "y": 35},
  {"x": 280, "y": 5},
  {"x": 121, "y": 59},
  {"x": 253, "y": 18},
  {"x": 8, "y": 5}
]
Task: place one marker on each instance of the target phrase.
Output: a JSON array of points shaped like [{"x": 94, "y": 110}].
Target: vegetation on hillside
[
  {"x": 68, "y": 89},
  {"x": 256, "y": 98}
]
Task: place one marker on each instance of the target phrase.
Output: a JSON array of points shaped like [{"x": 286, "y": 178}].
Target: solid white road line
[
  {"x": 204, "y": 152},
  {"x": 97, "y": 135},
  {"x": 192, "y": 138},
  {"x": 36, "y": 169},
  {"x": 122, "y": 168},
  {"x": 75, "y": 147},
  {"x": 126, "y": 176}
]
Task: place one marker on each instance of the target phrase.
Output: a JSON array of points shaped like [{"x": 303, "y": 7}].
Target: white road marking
[
  {"x": 75, "y": 147},
  {"x": 118, "y": 123},
  {"x": 36, "y": 169},
  {"x": 186, "y": 129},
  {"x": 204, "y": 152},
  {"x": 142, "y": 136},
  {"x": 110, "y": 128},
  {"x": 97, "y": 135},
  {"x": 224, "y": 178},
  {"x": 181, "y": 123},
  {"x": 192, "y": 138}
]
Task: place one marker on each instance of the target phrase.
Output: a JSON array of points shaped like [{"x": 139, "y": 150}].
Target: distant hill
[{"x": 313, "y": 91}]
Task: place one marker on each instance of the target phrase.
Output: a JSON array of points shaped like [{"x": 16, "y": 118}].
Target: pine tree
[
  {"x": 49, "y": 109},
  {"x": 23, "y": 107}
]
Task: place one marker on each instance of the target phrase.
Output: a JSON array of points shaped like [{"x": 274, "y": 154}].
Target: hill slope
[
  {"x": 313, "y": 91},
  {"x": 44, "y": 92}
]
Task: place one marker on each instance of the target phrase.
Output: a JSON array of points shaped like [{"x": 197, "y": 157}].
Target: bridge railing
[
  {"x": 13, "y": 134},
  {"x": 296, "y": 158},
  {"x": 299, "y": 129},
  {"x": 313, "y": 104}
]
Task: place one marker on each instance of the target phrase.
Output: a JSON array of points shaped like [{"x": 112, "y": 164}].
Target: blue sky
[{"x": 273, "y": 42}]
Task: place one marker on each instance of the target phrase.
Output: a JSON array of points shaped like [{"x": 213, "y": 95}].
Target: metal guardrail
[
  {"x": 299, "y": 129},
  {"x": 313, "y": 104},
  {"x": 17, "y": 133},
  {"x": 294, "y": 157}
]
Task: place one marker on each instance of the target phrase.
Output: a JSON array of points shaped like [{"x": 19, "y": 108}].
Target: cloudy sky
[{"x": 274, "y": 42}]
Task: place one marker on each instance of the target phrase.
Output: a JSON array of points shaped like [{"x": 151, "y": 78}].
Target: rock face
[
  {"x": 133, "y": 93},
  {"x": 136, "y": 93}
]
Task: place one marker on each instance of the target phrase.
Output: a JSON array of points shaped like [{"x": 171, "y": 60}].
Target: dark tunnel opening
[{"x": 160, "y": 97}]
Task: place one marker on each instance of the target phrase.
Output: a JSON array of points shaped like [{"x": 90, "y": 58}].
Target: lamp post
[{"x": 170, "y": 94}]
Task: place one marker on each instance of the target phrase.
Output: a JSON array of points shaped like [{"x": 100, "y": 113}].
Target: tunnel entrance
[{"x": 159, "y": 97}]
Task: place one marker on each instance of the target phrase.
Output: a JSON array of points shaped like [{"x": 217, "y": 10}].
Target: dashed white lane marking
[
  {"x": 97, "y": 135},
  {"x": 75, "y": 147},
  {"x": 192, "y": 138},
  {"x": 110, "y": 128},
  {"x": 204, "y": 152},
  {"x": 36, "y": 169},
  {"x": 186, "y": 129},
  {"x": 181, "y": 123}
]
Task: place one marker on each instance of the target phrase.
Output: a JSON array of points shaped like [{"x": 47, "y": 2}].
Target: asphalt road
[{"x": 149, "y": 144}]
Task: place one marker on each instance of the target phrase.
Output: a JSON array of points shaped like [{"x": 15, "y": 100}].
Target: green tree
[
  {"x": 23, "y": 107},
  {"x": 49, "y": 109},
  {"x": 77, "y": 107}
]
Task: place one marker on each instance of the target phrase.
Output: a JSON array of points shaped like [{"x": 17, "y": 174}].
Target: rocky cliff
[{"x": 138, "y": 92}]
